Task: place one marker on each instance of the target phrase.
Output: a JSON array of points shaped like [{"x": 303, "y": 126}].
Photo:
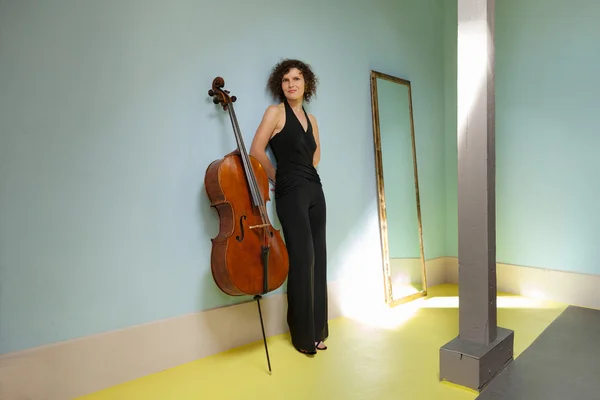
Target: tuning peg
[
  {"x": 226, "y": 91},
  {"x": 215, "y": 100},
  {"x": 211, "y": 93},
  {"x": 233, "y": 99}
]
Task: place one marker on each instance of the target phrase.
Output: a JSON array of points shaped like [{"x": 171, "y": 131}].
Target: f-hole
[{"x": 238, "y": 237}]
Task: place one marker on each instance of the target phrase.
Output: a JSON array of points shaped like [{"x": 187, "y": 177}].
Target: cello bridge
[{"x": 258, "y": 226}]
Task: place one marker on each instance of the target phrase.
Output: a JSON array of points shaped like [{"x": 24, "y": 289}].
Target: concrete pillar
[{"x": 482, "y": 349}]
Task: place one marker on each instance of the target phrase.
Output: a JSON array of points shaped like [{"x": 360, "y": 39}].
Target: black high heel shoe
[
  {"x": 306, "y": 352},
  {"x": 320, "y": 348}
]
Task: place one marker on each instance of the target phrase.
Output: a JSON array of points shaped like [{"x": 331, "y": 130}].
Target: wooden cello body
[{"x": 249, "y": 256}]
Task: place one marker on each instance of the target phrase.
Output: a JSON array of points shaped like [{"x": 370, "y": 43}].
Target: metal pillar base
[{"x": 474, "y": 365}]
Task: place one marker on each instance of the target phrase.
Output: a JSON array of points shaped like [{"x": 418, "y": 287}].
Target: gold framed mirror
[{"x": 401, "y": 231}]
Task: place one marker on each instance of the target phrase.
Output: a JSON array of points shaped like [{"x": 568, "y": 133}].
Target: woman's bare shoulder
[
  {"x": 275, "y": 117},
  {"x": 275, "y": 109}
]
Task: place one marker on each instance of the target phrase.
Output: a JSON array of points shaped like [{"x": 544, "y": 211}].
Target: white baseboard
[
  {"x": 436, "y": 271},
  {"x": 76, "y": 367},
  {"x": 566, "y": 287}
]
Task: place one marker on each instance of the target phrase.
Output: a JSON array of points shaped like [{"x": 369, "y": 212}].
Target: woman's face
[{"x": 293, "y": 84}]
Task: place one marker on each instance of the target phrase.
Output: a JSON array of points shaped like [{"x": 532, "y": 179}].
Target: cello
[{"x": 248, "y": 255}]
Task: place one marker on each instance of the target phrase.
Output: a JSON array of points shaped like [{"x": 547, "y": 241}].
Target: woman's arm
[
  {"x": 317, "y": 156},
  {"x": 261, "y": 139}
]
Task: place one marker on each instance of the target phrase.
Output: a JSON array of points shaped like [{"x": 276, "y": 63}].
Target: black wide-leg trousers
[{"x": 302, "y": 213}]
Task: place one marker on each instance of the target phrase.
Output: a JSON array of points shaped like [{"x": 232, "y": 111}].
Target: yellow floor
[{"x": 364, "y": 361}]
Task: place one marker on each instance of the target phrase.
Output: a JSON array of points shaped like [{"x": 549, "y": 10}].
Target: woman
[{"x": 293, "y": 136}]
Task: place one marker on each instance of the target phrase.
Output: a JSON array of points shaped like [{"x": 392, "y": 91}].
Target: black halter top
[{"x": 294, "y": 149}]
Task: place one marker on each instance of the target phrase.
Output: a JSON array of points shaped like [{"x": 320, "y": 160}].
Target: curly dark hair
[{"x": 282, "y": 68}]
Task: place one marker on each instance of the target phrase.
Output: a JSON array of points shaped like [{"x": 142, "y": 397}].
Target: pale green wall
[
  {"x": 106, "y": 132},
  {"x": 547, "y": 135},
  {"x": 450, "y": 125}
]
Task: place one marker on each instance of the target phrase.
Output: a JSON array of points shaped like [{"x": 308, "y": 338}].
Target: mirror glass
[{"x": 398, "y": 189}]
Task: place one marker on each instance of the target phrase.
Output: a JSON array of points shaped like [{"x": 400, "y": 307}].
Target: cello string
[
  {"x": 250, "y": 173},
  {"x": 243, "y": 154},
  {"x": 240, "y": 142},
  {"x": 252, "y": 177}
]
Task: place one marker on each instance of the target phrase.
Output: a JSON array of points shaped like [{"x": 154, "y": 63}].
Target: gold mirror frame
[{"x": 389, "y": 295}]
